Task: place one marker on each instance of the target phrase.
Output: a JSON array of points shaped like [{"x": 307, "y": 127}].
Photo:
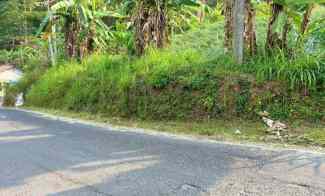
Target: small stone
[
  {"x": 263, "y": 114},
  {"x": 270, "y": 138},
  {"x": 237, "y": 132}
]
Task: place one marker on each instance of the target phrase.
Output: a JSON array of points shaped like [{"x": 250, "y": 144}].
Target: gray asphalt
[{"x": 43, "y": 156}]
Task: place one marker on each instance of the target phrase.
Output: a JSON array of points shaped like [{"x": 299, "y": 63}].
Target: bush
[
  {"x": 53, "y": 86},
  {"x": 10, "y": 95},
  {"x": 168, "y": 85},
  {"x": 4, "y": 56}
]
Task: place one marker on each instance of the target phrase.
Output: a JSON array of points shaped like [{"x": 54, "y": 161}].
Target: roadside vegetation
[{"x": 173, "y": 65}]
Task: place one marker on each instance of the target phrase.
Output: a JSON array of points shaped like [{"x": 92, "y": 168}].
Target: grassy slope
[
  {"x": 191, "y": 87},
  {"x": 192, "y": 79}
]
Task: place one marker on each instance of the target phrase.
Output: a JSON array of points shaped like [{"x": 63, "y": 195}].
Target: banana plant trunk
[
  {"x": 272, "y": 38},
  {"x": 250, "y": 28},
  {"x": 71, "y": 41},
  {"x": 140, "y": 20},
  {"x": 150, "y": 25},
  {"x": 86, "y": 45},
  {"x": 228, "y": 13},
  {"x": 306, "y": 19}
]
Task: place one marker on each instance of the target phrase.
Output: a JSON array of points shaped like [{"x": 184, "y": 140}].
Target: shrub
[
  {"x": 53, "y": 85},
  {"x": 302, "y": 72},
  {"x": 10, "y": 95},
  {"x": 102, "y": 80},
  {"x": 168, "y": 84}
]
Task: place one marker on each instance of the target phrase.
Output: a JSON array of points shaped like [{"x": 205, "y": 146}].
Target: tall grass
[
  {"x": 104, "y": 77},
  {"x": 303, "y": 71},
  {"x": 51, "y": 87}
]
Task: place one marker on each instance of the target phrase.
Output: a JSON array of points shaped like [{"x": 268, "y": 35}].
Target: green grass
[
  {"x": 173, "y": 84},
  {"x": 55, "y": 84}
]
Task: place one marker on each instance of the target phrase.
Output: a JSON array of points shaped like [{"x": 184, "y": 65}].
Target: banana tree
[
  {"x": 286, "y": 15},
  {"x": 82, "y": 25},
  {"x": 151, "y": 20},
  {"x": 250, "y": 27}
]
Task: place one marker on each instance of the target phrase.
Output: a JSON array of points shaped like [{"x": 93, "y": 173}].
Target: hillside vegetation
[
  {"x": 191, "y": 79},
  {"x": 193, "y": 66}
]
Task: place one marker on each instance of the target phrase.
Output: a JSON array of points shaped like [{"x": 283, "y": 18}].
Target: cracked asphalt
[{"x": 49, "y": 156}]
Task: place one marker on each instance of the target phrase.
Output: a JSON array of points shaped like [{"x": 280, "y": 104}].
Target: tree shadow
[
  {"x": 82, "y": 159},
  {"x": 52, "y": 157}
]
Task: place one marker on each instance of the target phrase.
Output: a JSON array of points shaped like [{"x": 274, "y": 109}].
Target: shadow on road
[{"x": 48, "y": 157}]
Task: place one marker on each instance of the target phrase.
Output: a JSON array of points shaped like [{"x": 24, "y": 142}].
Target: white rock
[{"x": 237, "y": 132}]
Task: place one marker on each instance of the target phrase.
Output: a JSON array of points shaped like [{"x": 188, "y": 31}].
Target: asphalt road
[{"x": 44, "y": 156}]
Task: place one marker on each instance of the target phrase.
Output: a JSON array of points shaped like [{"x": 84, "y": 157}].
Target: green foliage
[
  {"x": 53, "y": 86},
  {"x": 99, "y": 84},
  {"x": 169, "y": 84},
  {"x": 10, "y": 96},
  {"x": 29, "y": 78},
  {"x": 86, "y": 14},
  {"x": 304, "y": 71},
  {"x": 192, "y": 79},
  {"x": 26, "y": 57},
  {"x": 5, "y": 56},
  {"x": 207, "y": 40},
  {"x": 18, "y": 21}
]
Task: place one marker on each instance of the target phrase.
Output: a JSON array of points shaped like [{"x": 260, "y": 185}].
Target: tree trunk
[
  {"x": 250, "y": 28},
  {"x": 150, "y": 26},
  {"x": 239, "y": 29},
  {"x": 71, "y": 42},
  {"x": 52, "y": 38},
  {"x": 140, "y": 20},
  {"x": 86, "y": 45},
  {"x": 228, "y": 12},
  {"x": 272, "y": 37},
  {"x": 160, "y": 26},
  {"x": 201, "y": 13},
  {"x": 285, "y": 31},
  {"x": 306, "y": 19}
]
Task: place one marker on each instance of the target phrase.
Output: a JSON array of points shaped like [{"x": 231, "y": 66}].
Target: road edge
[{"x": 177, "y": 136}]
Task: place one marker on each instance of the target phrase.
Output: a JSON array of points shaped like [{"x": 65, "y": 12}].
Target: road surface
[{"x": 46, "y": 156}]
